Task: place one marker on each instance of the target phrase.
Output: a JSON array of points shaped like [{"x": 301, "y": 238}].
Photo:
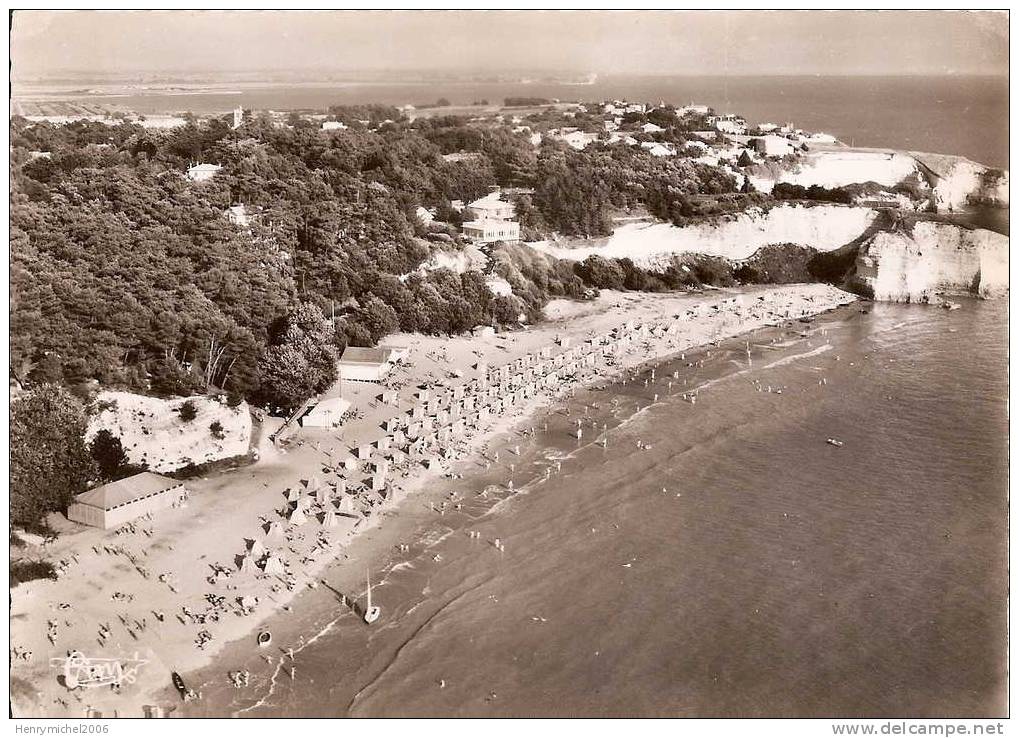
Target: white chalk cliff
[
  {"x": 951, "y": 182},
  {"x": 823, "y": 227},
  {"x": 914, "y": 265}
]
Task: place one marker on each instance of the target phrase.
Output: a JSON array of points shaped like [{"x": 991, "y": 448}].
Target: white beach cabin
[
  {"x": 116, "y": 503},
  {"x": 326, "y": 414},
  {"x": 363, "y": 364}
]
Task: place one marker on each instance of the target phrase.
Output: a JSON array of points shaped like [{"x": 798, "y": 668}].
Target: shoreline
[
  {"x": 316, "y": 616},
  {"x": 376, "y": 532}
]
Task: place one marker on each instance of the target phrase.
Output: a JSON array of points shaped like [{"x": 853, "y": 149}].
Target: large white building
[
  {"x": 363, "y": 364},
  {"x": 116, "y": 503},
  {"x": 491, "y": 220},
  {"x": 491, "y": 207},
  {"x": 490, "y": 230}
]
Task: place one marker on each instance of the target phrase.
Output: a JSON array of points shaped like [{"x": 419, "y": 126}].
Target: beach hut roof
[{"x": 129, "y": 489}]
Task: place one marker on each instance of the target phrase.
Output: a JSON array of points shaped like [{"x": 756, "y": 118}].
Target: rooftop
[
  {"x": 114, "y": 494},
  {"x": 358, "y": 355}
]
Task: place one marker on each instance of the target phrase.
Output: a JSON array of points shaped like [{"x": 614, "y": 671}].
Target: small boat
[
  {"x": 371, "y": 612},
  {"x": 951, "y": 305},
  {"x": 835, "y": 442},
  {"x": 264, "y": 638},
  {"x": 186, "y": 694}
]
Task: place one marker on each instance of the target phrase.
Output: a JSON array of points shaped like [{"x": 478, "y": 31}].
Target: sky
[{"x": 48, "y": 43}]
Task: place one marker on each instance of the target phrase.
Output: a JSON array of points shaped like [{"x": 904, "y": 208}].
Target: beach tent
[
  {"x": 341, "y": 486},
  {"x": 329, "y": 519},
  {"x": 297, "y": 516},
  {"x": 313, "y": 483},
  {"x": 273, "y": 529},
  {"x": 293, "y": 495},
  {"x": 273, "y": 565},
  {"x": 346, "y": 506},
  {"x": 247, "y": 565},
  {"x": 256, "y": 549},
  {"x": 322, "y": 495}
]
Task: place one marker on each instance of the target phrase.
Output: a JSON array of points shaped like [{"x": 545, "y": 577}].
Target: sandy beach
[{"x": 169, "y": 594}]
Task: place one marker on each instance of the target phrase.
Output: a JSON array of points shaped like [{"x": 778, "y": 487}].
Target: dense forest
[{"x": 126, "y": 272}]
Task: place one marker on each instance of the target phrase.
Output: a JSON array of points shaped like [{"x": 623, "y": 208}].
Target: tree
[
  {"x": 50, "y": 463},
  {"x": 302, "y": 361},
  {"x": 188, "y": 411},
  {"x": 599, "y": 272},
  {"x": 378, "y": 318},
  {"x": 108, "y": 453},
  {"x": 216, "y": 429}
]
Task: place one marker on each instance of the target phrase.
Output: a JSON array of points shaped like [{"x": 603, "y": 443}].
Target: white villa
[
  {"x": 491, "y": 206},
  {"x": 489, "y": 231},
  {"x": 491, "y": 220}
]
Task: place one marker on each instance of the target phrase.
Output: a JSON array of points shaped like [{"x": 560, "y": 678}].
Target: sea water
[
  {"x": 716, "y": 557},
  {"x": 954, "y": 114}
]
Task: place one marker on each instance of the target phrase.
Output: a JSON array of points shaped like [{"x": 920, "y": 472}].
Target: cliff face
[
  {"x": 949, "y": 182},
  {"x": 958, "y": 182},
  {"x": 821, "y": 227},
  {"x": 904, "y": 266}
]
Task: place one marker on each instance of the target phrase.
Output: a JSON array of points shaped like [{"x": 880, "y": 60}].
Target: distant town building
[
  {"x": 238, "y": 117},
  {"x": 651, "y": 128},
  {"x": 731, "y": 123},
  {"x": 116, "y": 503},
  {"x": 461, "y": 156},
  {"x": 693, "y": 110},
  {"x": 238, "y": 215},
  {"x": 575, "y": 139},
  {"x": 773, "y": 147},
  {"x": 657, "y": 149},
  {"x": 424, "y": 215},
  {"x": 333, "y": 125},
  {"x": 619, "y": 138},
  {"x": 203, "y": 172}
]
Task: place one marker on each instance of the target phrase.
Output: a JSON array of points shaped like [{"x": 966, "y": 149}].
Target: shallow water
[{"x": 774, "y": 575}]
